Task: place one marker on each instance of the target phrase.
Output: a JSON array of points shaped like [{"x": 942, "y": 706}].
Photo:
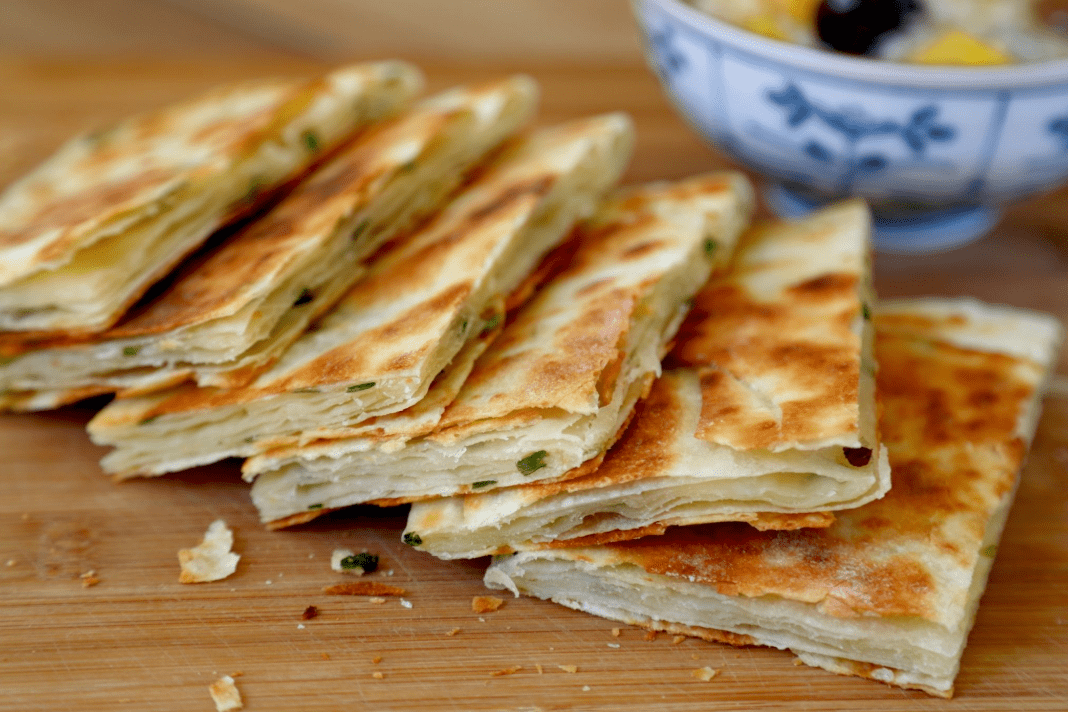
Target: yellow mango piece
[
  {"x": 956, "y": 47},
  {"x": 802, "y": 11},
  {"x": 766, "y": 24}
]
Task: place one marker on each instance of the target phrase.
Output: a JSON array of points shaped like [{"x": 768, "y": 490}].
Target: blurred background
[{"x": 533, "y": 31}]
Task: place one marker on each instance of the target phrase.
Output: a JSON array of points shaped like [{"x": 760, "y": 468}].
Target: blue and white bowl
[{"x": 936, "y": 150}]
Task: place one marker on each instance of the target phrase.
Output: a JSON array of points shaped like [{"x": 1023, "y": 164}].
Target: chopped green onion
[
  {"x": 311, "y": 140},
  {"x": 412, "y": 539},
  {"x": 532, "y": 462},
  {"x": 306, "y": 295},
  {"x": 483, "y": 483},
  {"x": 367, "y": 562},
  {"x": 360, "y": 387},
  {"x": 130, "y": 350}
]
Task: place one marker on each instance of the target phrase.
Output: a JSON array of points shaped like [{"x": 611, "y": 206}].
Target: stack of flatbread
[
  {"x": 430, "y": 296},
  {"x": 890, "y": 590},
  {"x": 86, "y": 233},
  {"x": 766, "y": 412},
  {"x": 228, "y": 315},
  {"x": 423, "y": 304},
  {"x": 552, "y": 393}
]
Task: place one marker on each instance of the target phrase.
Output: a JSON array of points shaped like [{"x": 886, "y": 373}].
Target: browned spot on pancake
[
  {"x": 781, "y": 521},
  {"x": 533, "y": 187},
  {"x": 641, "y": 249},
  {"x": 805, "y": 564},
  {"x": 602, "y": 538},
  {"x": 100, "y": 201},
  {"x": 299, "y": 518},
  {"x": 825, "y": 286}
]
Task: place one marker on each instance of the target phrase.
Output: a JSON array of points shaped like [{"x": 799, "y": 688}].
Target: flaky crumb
[
  {"x": 376, "y": 659},
  {"x": 797, "y": 661},
  {"x": 486, "y": 604},
  {"x": 537, "y": 667},
  {"x": 678, "y": 639},
  {"x": 705, "y": 674},
  {"x": 507, "y": 671},
  {"x": 376, "y": 600},
  {"x": 12, "y": 562},
  {"x": 651, "y": 635},
  {"x": 616, "y": 632},
  {"x": 309, "y": 613},
  {"x": 364, "y": 588},
  {"x": 453, "y": 632},
  {"x": 237, "y": 674},
  {"x": 89, "y": 578},
  {"x": 585, "y": 688},
  {"x": 346, "y": 561},
  {"x": 406, "y": 603},
  {"x": 324, "y": 656},
  {"x": 225, "y": 695},
  {"x": 568, "y": 668},
  {"x": 378, "y": 675},
  {"x": 211, "y": 560},
  {"x": 613, "y": 645}
]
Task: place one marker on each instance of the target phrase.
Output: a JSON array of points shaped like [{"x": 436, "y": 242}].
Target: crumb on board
[
  {"x": 324, "y": 656},
  {"x": 568, "y": 668},
  {"x": 225, "y": 695},
  {"x": 693, "y": 656},
  {"x": 616, "y": 632},
  {"x": 585, "y": 688},
  {"x": 678, "y": 639},
  {"x": 237, "y": 674},
  {"x": 211, "y": 560},
  {"x": 614, "y": 646},
  {"x": 453, "y": 632},
  {"x": 376, "y": 600},
  {"x": 309, "y": 613},
  {"x": 378, "y": 675},
  {"x": 486, "y": 604},
  {"x": 537, "y": 667},
  {"x": 364, "y": 588},
  {"x": 376, "y": 659},
  {"x": 507, "y": 671},
  {"x": 300, "y": 626},
  {"x": 89, "y": 578},
  {"x": 651, "y": 635},
  {"x": 346, "y": 561},
  {"x": 406, "y": 603},
  {"x": 704, "y": 674},
  {"x": 12, "y": 562}
]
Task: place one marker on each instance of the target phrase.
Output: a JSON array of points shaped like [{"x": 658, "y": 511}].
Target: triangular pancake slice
[
  {"x": 231, "y": 313},
  {"x": 554, "y": 390},
  {"x": 765, "y": 412},
  {"x": 84, "y": 235},
  {"x": 890, "y": 590},
  {"x": 380, "y": 348}
]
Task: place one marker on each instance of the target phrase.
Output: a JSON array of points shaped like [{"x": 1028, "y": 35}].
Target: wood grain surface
[{"x": 139, "y": 640}]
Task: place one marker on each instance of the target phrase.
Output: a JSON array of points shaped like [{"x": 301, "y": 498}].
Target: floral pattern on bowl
[{"x": 829, "y": 126}]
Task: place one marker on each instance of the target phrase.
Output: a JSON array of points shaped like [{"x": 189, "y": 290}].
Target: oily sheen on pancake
[
  {"x": 890, "y": 590},
  {"x": 86, "y": 233},
  {"x": 552, "y": 392},
  {"x": 230, "y": 314},
  {"x": 380, "y": 348},
  {"x": 765, "y": 412}
]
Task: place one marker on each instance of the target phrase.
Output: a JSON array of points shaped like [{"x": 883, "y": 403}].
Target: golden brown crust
[
  {"x": 364, "y": 588},
  {"x": 780, "y": 366},
  {"x": 950, "y": 422}
]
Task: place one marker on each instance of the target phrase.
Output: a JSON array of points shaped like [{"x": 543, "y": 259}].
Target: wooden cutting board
[{"x": 139, "y": 640}]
